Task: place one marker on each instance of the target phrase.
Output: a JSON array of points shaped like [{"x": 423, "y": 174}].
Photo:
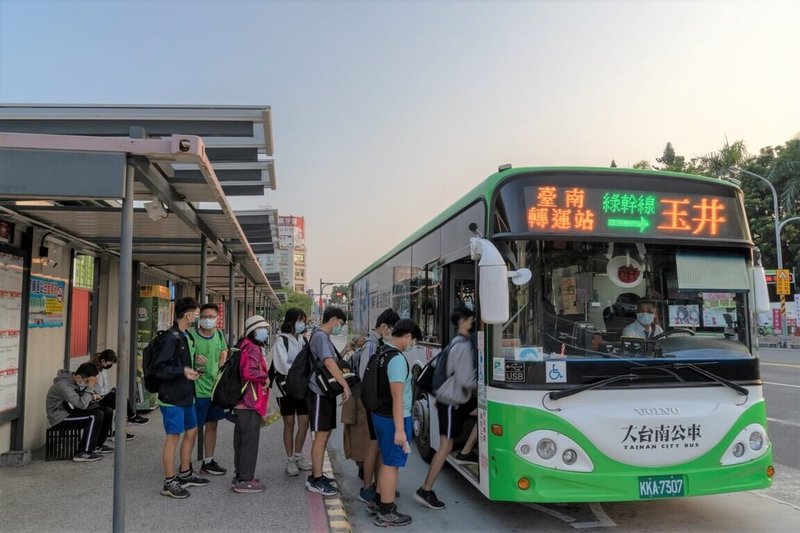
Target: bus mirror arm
[{"x": 493, "y": 281}]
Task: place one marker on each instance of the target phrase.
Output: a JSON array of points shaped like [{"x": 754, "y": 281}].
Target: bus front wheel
[{"x": 420, "y": 416}]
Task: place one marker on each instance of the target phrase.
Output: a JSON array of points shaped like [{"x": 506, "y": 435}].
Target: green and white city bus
[{"x": 575, "y": 402}]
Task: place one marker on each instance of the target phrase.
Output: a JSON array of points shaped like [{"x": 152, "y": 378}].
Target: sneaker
[
  {"x": 373, "y": 508},
  {"x": 212, "y": 468},
  {"x": 291, "y": 467},
  {"x": 305, "y": 464},
  {"x": 330, "y": 480},
  {"x": 470, "y": 458},
  {"x": 321, "y": 486},
  {"x": 129, "y": 437},
  {"x": 86, "y": 457},
  {"x": 428, "y": 499},
  {"x": 192, "y": 480},
  {"x": 104, "y": 448},
  {"x": 392, "y": 519},
  {"x": 367, "y": 495},
  {"x": 253, "y": 485},
  {"x": 174, "y": 489},
  {"x": 138, "y": 420}
]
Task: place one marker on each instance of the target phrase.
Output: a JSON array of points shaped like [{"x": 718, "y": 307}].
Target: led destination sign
[{"x": 603, "y": 212}]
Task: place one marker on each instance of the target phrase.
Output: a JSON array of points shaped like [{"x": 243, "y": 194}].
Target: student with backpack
[
  {"x": 381, "y": 334},
  {"x": 168, "y": 362},
  {"x": 294, "y": 412},
  {"x": 391, "y": 415},
  {"x": 454, "y": 381},
  {"x": 322, "y": 408},
  {"x": 210, "y": 353},
  {"x": 253, "y": 405}
]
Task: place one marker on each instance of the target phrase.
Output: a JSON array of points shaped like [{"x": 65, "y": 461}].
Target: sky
[{"x": 385, "y": 113}]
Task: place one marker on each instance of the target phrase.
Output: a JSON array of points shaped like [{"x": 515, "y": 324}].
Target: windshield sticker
[
  {"x": 515, "y": 372},
  {"x": 556, "y": 372},
  {"x": 498, "y": 369},
  {"x": 529, "y": 353}
]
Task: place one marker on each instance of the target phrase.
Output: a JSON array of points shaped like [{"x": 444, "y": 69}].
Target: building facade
[{"x": 289, "y": 259}]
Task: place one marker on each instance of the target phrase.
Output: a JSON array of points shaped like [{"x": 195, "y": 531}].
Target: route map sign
[{"x": 614, "y": 212}]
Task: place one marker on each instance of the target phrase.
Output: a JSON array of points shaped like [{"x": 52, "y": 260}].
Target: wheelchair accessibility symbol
[{"x": 556, "y": 372}]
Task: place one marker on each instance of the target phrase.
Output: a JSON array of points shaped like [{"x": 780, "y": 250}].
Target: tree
[
  {"x": 613, "y": 164},
  {"x": 643, "y": 165},
  {"x": 670, "y": 161},
  {"x": 296, "y": 299},
  {"x": 339, "y": 295}
]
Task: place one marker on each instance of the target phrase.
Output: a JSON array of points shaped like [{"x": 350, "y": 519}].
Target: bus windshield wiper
[
  {"x": 703, "y": 372},
  {"x": 557, "y": 395}
]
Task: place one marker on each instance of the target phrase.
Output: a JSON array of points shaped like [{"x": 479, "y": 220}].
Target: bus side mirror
[
  {"x": 493, "y": 284},
  {"x": 761, "y": 293}
]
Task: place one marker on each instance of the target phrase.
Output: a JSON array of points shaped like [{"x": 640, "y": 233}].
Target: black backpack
[
  {"x": 229, "y": 387},
  {"x": 149, "y": 355},
  {"x": 434, "y": 373},
  {"x": 296, "y": 383},
  {"x": 375, "y": 392}
]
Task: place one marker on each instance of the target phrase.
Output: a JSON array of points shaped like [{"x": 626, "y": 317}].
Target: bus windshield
[{"x": 626, "y": 300}]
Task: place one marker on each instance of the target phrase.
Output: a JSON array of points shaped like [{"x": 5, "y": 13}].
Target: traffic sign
[{"x": 782, "y": 278}]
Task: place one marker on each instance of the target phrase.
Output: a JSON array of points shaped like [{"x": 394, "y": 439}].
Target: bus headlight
[
  {"x": 751, "y": 443},
  {"x": 546, "y": 449},
  {"x": 756, "y": 441},
  {"x": 569, "y": 457},
  {"x": 738, "y": 449},
  {"x": 547, "y": 445}
]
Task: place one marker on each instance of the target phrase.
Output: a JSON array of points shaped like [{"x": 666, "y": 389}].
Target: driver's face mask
[{"x": 645, "y": 319}]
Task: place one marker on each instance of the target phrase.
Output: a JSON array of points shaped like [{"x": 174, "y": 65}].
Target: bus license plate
[{"x": 661, "y": 486}]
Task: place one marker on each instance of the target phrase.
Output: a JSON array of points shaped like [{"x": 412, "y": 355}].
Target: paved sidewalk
[{"x": 63, "y": 496}]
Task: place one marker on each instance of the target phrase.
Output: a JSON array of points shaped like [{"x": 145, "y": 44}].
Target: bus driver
[{"x": 644, "y": 326}]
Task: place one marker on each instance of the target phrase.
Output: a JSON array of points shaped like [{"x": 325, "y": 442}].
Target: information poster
[
  {"x": 46, "y": 303},
  {"x": 11, "y": 268}
]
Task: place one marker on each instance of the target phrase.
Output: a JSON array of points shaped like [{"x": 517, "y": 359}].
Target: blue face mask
[
  {"x": 338, "y": 330},
  {"x": 299, "y": 327},
  {"x": 262, "y": 335}
]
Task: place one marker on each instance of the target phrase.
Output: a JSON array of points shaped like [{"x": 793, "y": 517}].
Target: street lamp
[{"x": 778, "y": 227}]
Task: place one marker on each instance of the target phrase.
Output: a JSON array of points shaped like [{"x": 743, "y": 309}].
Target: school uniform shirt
[
  {"x": 321, "y": 348},
  {"x": 282, "y": 357},
  {"x": 398, "y": 372},
  {"x": 210, "y": 348}
]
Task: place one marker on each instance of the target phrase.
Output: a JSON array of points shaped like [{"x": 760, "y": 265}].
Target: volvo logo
[{"x": 657, "y": 411}]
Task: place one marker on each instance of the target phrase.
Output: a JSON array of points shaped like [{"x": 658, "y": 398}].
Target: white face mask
[
  {"x": 645, "y": 319},
  {"x": 208, "y": 323}
]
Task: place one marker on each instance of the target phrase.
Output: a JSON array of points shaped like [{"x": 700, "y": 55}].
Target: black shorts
[
  {"x": 321, "y": 412},
  {"x": 290, "y": 407},
  {"x": 452, "y": 417}
]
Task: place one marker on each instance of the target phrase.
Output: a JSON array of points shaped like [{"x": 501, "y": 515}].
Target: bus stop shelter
[{"x": 82, "y": 190}]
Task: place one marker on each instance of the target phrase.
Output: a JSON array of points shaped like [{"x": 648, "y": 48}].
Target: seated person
[
  {"x": 108, "y": 397},
  {"x": 644, "y": 326},
  {"x": 67, "y": 406}
]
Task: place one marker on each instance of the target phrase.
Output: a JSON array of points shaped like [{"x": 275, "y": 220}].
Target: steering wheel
[{"x": 672, "y": 332}]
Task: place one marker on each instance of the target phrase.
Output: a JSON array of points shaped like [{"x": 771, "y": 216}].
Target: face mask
[
  {"x": 645, "y": 319},
  {"x": 262, "y": 335},
  {"x": 208, "y": 323},
  {"x": 299, "y": 327},
  {"x": 338, "y": 330}
]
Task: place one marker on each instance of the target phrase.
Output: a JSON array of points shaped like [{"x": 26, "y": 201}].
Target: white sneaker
[
  {"x": 291, "y": 467},
  {"x": 303, "y": 463}
]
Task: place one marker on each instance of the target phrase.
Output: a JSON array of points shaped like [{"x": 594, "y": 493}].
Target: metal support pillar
[
  {"x": 244, "y": 304},
  {"x": 203, "y": 270},
  {"x": 230, "y": 307},
  {"x": 123, "y": 348}
]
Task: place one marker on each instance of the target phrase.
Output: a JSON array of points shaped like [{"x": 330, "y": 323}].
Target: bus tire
[{"x": 420, "y": 416}]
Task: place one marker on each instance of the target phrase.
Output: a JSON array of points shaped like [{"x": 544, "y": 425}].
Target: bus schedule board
[{"x": 616, "y": 212}]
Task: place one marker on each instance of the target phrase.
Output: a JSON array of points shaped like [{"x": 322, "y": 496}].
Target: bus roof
[{"x": 485, "y": 189}]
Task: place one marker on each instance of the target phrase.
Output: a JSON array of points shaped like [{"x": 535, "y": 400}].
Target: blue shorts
[
  {"x": 391, "y": 453},
  {"x": 178, "y": 418},
  {"x": 207, "y": 411}
]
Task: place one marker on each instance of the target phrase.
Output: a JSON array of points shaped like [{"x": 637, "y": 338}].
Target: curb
[{"x": 338, "y": 522}]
